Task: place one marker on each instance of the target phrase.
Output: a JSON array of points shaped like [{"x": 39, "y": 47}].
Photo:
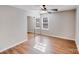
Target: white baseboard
[
  {"x": 13, "y": 45},
  {"x": 62, "y": 37}
]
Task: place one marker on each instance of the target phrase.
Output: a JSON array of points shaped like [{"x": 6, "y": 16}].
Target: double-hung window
[
  {"x": 37, "y": 23},
  {"x": 45, "y": 22}
]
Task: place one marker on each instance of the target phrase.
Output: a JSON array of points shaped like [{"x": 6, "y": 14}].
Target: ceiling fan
[{"x": 45, "y": 9}]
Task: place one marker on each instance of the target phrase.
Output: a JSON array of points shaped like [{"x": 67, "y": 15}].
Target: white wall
[
  {"x": 77, "y": 27},
  {"x": 13, "y": 26},
  {"x": 61, "y": 24}
]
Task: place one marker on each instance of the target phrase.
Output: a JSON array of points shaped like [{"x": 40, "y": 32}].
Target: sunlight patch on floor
[
  {"x": 41, "y": 47},
  {"x": 40, "y": 44}
]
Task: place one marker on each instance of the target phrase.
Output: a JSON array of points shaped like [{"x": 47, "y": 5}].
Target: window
[
  {"x": 37, "y": 23},
  {"x": 44, "y": 22}
]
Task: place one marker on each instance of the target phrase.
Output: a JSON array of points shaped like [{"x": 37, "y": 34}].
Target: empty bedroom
[{"x": 39, "y": 29}]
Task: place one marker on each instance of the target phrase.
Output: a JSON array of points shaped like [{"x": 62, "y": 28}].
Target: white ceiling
[{"x": 37, "y": 7}]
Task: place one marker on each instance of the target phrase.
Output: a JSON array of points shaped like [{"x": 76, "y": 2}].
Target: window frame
[{"x": 45, "y": 15}]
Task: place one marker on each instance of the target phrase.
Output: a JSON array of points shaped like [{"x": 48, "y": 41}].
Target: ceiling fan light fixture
[{"x": 42, "y": 12}]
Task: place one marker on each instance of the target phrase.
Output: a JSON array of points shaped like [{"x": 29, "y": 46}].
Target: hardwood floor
[{"x": 53, "y": 46}]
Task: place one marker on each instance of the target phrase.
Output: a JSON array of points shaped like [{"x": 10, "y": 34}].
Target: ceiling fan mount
[{"x": 44, "y": 8}]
